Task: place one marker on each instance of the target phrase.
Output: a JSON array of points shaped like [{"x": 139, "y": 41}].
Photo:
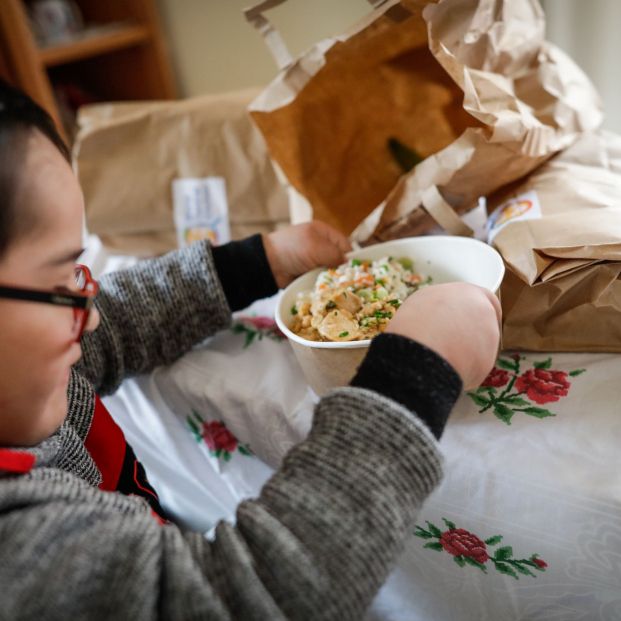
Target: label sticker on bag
[
  {"x": 523, "y": 207},
  {"x": 201, "y": 210}
]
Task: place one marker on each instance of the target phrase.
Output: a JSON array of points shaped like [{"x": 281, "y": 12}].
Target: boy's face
[{"x": 37, "y": 341}]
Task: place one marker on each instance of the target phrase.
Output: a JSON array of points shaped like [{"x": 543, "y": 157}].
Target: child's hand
[
  {"x": 294, "y": 250},
  {"x": 459, "y": 321}
]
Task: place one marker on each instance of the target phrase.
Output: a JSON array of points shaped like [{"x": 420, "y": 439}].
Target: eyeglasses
[{"x": 81, "y": 301}]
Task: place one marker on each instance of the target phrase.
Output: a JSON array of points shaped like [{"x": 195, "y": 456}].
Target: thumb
[{"x": 337, "y": 243}]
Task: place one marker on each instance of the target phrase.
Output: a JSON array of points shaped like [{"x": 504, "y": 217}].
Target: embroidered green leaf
[
  {"x": 576, "y": 372},
  {"x": 449, "y": 524},
  {"x": 503, "y": 413},
  {"x": 503, "y": 568},
  {"x": 544, "y": 364},
  {"x": 474, "y": 563},
  {"x": 515, "y": 400},
  {"x": 460, "y": 560},
  {"x": 507, "y": 365},
  {"x": 421, "y": 532},
  {"x": 537, "y": 412},
  {"x": 244, "y": 450},
  {"x": 523, "y": 570},
  {"x": 193, "y": 426},
  {"x": 492, "y": 541},
  {"x": 226, "y": 456},
  {"x": 502, "y": 554},
  {"x": 434, "y": 529},
  {"x": 480, "y": 401},
  {"x": 218, "y": 452},
  {"x": 434, "y": 545}
]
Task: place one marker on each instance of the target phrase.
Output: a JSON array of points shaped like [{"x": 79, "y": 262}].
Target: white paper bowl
[{"x": 444, "y": 258}]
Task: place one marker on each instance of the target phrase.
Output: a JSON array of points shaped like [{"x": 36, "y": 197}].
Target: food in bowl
[
  {"x": 328, "y": 364},
  {"x": 356, "y": 300}
]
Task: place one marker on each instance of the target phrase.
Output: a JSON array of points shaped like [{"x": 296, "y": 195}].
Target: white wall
[
  {"x": 214, "y": 49},
  {"x": 590, "y": 32}
]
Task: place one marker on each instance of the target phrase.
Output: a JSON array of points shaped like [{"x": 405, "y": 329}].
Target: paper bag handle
[
  {"x": 274, "y": 41},
  {"x": 437, "y": 207}
]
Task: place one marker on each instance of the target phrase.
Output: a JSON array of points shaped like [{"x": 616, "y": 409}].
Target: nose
[{"x": 93, "y": 320}]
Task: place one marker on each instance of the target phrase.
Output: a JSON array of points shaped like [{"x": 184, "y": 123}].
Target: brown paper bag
[
  {"x": 559, "y": 232},
  {"x": 470, "y": 86},
  {"x": 128, "y": 154}
]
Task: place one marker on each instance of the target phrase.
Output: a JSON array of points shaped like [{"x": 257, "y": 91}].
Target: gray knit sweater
[{"x": 316, "y": 544}]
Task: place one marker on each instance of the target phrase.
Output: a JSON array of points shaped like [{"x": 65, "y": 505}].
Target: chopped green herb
[
  {"x": 356, "y": 262},
  {"x": 294, "y": 310},
  {"x": 379, "y": 281},
  {"x": 394, "y": 303},
  {"x": 382, "y": 314},
  {"x": 343, "y": 334},
  {"x": 330, "y": 305},
  {"x": 406, "y": 263}
]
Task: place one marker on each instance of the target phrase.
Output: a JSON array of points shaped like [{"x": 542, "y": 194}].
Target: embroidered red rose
[
  {"x": 459, "y": 542},
  {"x": 261, "y": 323},
  {"x": 542, "y": 385},
  {"x": 496, "y": 378},
  {"x": 539, "y": 562},
  {"x": 217, "y": 436}
]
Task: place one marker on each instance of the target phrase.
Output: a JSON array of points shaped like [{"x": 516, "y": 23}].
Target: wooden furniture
[{"x": 120, "y": 55}]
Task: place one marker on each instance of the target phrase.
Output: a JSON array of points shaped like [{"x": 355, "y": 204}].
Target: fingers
[
  {"x": 495, "y": 302},
  {"x": 335, "y": 237}
]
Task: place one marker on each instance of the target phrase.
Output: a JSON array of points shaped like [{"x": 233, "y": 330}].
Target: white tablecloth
[{"x": 525, "y": 525}]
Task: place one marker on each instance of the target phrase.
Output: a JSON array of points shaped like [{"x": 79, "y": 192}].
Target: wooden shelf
[
  {"x": 94, "y": 41},
  {"x": 120, "y": 56}
]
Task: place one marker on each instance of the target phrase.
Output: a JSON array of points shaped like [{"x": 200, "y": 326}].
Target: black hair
[{"x": 19, "y": 116}]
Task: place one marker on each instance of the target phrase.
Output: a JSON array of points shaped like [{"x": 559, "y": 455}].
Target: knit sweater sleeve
[
  {"x": 153, "y": 313},
  {"x": 317, "y": 543}
]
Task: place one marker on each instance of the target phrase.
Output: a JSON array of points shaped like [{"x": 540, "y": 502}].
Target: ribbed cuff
[
  {"x": 413, "y": 375},
  {"x": 244, "y": 271}
]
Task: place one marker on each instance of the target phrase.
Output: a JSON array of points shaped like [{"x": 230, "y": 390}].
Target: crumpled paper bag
[
  {"x": 559, "y": 233},
  {"x": 128, "y": 154},
  {"x": 408, "y": 118}
]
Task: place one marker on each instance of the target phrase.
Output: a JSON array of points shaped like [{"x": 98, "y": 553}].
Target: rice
[{"x": 356, "y": 300}]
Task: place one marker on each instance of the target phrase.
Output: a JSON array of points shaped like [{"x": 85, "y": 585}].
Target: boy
[{"x": 82, "y": 533}]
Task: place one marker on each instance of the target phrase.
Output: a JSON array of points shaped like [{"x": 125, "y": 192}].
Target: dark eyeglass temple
[{"x": 40, "y": 296}]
